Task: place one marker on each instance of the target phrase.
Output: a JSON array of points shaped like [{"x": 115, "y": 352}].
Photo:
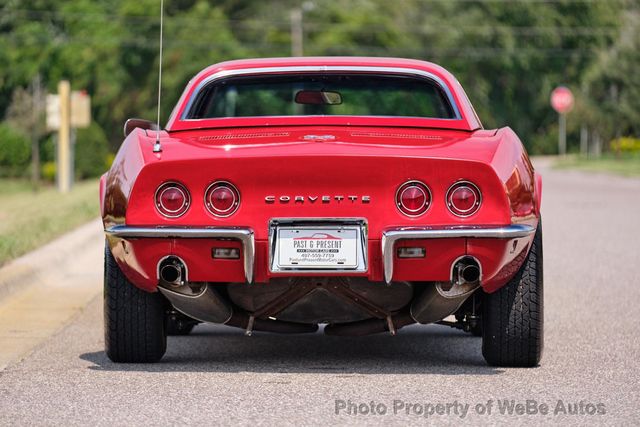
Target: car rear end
[
  {"x": 283, "y": 222},
  {"x": 382, "y": 187}
]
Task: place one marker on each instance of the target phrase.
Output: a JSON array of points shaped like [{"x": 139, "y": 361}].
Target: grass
[
  {"x": 625, "y": 165},
  {"x": 29, "y": 218}
]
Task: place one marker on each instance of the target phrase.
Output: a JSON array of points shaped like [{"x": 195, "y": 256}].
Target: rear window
[{"x": 322, "y": 94}]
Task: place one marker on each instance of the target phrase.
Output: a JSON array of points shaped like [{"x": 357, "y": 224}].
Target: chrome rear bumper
[
  {"x": 389, "y": 237},
  {"x": 245, "y": 235}
]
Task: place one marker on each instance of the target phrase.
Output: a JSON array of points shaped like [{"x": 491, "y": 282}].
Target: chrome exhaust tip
[
  {"x": 465, "y": 270},
  {"x": 466, "y": 274},
  {"x": 470, "y": 273},
  {"x": 172, "y": 271},
  {"x": 171, "y": 274}
]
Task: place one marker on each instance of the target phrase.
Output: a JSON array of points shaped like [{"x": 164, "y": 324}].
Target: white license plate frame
[
  {"x": 354, "y": 231},
  {"x": 317, "y": 248}
]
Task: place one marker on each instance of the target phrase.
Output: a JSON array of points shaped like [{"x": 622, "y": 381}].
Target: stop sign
[{"x": 562, "y": 99}]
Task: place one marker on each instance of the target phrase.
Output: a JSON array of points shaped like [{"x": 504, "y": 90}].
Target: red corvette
[{"x": 358, "y": 193}]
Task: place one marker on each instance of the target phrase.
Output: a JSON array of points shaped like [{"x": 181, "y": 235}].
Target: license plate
[{"x": 318, "y": 248}]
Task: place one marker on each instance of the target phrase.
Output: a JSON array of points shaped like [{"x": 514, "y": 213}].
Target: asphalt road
[{"x": 219, "y": 376}]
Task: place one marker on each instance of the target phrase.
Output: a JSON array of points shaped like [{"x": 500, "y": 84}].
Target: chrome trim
[
  {"x": 363, "y": 257},
  {"x": 245, "y": 235},
  {"x": 323, "y": 68},
  {"x": 389, "y": 237}
]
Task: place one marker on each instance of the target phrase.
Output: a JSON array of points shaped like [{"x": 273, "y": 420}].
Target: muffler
[
  {"x": 441, "y": 299},
  {"x": 207, "y": 306}
]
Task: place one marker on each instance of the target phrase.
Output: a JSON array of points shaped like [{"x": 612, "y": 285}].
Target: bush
[
  {"x": 546, "y": 143},
  {"x": 48, "y": 171},
  {"x": 15, "y": 152},
  {"x": 626, "y": 145},
  {"x": 91, "y": 152}
]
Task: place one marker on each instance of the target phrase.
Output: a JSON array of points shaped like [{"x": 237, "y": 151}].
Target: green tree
[
  {"x": 91, "y": 152},
  {"x": 507, "y": 55},
  {"x": 613, "y": 85}
]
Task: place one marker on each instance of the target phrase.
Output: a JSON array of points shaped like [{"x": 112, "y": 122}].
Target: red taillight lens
[
  {"x": 172, "y": 199},
  {"x": 413, "y": 198},
  {"x": 463, "y": 198},
  {"x": 222, "y": 198}
]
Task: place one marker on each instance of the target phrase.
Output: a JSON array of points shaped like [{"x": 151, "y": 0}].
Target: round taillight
[
  {"x": 222, "y": 198},
  {"x": 463, "y": 198},
  {"x": 413, "y": 198},
  {"x": 172, "y": 199}
]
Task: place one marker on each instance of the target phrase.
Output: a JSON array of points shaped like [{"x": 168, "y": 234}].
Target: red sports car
[{"x": 358, "y": 193}]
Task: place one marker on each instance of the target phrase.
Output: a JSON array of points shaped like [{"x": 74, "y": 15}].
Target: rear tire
[
  {"x": 512, "y": 320},
  {"x": 134, "y": 320}
]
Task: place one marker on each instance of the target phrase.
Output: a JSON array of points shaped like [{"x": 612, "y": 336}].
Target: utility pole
[
  {"x": 584, "y": 140},
  {"x": 297, "y": 33},
  {"x": 64, "y": 138},
  {"x": 65, "y": 110},
  {"x": 36, "y": 107}
]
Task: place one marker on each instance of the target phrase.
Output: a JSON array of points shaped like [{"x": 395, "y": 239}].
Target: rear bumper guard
[
  {"x": 244, "y": 235},
  {"x": 391, "y": 236}
]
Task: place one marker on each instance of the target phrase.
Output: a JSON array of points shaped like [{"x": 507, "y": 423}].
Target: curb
[{"x": 22, "y": 272}]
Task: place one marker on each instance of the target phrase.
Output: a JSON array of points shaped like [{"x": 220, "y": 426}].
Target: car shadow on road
[{"x": 415, "y": 350}]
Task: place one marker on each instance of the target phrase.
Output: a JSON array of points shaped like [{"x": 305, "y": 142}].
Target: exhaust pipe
[
  {"x": 171, "y": 274},
  {"x": 441, "y": 299},
  {"x": 470, "y": 273},
  {"x": 204, "y": 303},
  {"x": 369, "y": 326},
  {"x": 173, "y": 271},
  {"x": 465, "y": 271},
  {"x": 243, "y": 320},
  {"x": 209, "y": 306}
]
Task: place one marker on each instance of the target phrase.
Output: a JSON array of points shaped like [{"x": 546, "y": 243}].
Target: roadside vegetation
[
  {"x": 31, "y": 218},
  {"x": 619, "y": 165},
  {"x": 622, "y": 159},
  {"x": 508, "y": 55}
]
